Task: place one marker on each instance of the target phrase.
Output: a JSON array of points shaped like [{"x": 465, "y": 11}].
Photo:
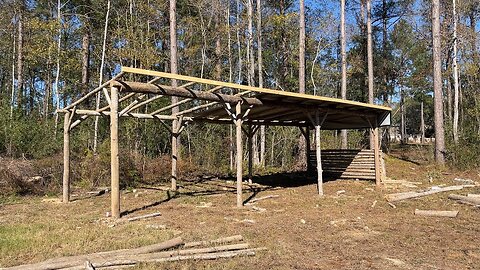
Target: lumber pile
[
  {"x": 347, "y": 163},
  {"x": 172, "y": 250}
]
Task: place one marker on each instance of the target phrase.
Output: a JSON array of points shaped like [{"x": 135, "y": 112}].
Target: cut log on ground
[
  {"x": 254, "y": 200},
  {"x": 144, "y": 216},
  {"x": 70, "y": 261},
  {"x": 222, "y": 240},
  {"x": 153, "y": 259},
  {"x": 153, "y": 253},
  {"x": 465, "y": 199},
  {"x": 395, "y": 197},
  {"x": 436, "y": 213},
  {"x": 159, "y": 256}
]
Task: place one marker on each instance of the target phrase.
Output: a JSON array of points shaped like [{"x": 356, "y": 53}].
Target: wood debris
[
  {"x": 415, "y": 194},
  {"x": 144, "y": 216},
  {"x": 435, "y": 213},
  {"x": 205, "y": 205},
  {"x": 254, "y": 200},
  {"x": 471, "y": 200},
  {"x": 204, "y": 250},
  {"x": 258, "y": 209},
  {"x": 465, "y": 181}
]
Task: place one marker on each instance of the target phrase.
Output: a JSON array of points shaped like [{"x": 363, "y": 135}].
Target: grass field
[{"x": 344, "y": 230}]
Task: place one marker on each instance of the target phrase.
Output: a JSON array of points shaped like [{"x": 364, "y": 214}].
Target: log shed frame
[{"x": 209, "y": 101}]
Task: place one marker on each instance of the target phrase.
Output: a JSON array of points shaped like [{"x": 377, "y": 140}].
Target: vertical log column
[
  {"x": 114, "y": 163},
  {"x": 175, "y": 128},
  {"x": 250, "y": 153},
  {"x": 238, "y": 125},
  {"x": 319, "y": 156},
  {"x": 308, "y": 147},
  {"x": 376, "y": 151},
  {"x": 66, "y": 158}
]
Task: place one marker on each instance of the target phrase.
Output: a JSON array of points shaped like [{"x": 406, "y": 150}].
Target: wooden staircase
[{"x": 348, "y": 163}]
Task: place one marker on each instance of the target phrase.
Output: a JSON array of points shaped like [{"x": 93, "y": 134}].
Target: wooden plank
[{"x": 436, "y": 213}]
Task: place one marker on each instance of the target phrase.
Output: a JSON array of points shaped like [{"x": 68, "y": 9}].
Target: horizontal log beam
[
  {"x": 100, "y": 88},
  {"x": 150, "y": 88},
  {"x": 134, "y": 115}
]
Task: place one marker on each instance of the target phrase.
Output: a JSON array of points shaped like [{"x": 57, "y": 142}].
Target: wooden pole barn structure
[{"x": 219, "y": 103}]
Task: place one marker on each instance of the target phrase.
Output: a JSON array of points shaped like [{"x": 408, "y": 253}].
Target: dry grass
[{"x": 300, "y": 229}]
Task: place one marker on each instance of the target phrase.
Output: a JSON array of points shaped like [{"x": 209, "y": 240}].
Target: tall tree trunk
[
  {"x": 301, "y": 81},
  {"x": 343, "y": 92},
  {"x": 422, "y": 123},
  {"x": 230, "y": 79},
  {"x": 260, "y": 76},
  {"x": 239, "y": 44},
  {"x": 173, "y": 47},
  {"x": 218, "y": 52},
  {"x": 20, "y": 57},
  {"x": 283, "y": 47},
  {"x": 100, "y": 76},
  {"x": 85, "y": 57},
  {"x": 402, "y": 117},
  {"x": 384, "y": 50},
  {"x": 176, "y": 145},
  {"x": 455, "y": 76},
  {"x": 250, "y": 59},
  {"x": 476, "y": 59},
  {"x": 437, "y": 84},
  {"x": 57, "y": 73},
  {"x": 12, "y": 97},
  {"x": 48, "y": 87},
  {"x": 251, "y": 71},
  {"x": 370, "y": 60}
]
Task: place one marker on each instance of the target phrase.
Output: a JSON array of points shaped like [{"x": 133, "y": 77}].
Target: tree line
[{"x": 421, "y": 57}]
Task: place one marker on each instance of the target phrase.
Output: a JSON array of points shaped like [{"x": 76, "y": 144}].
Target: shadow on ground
[{"x": 207, "y": 186}]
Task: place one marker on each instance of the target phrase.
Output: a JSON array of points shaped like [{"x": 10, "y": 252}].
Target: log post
[
  {"x": 308, "y": 146},
  {"x": 376, "y": 150},
  {"x": 238, "y": 125},
  {"x": 114, "y": 163},
  {"x": 175, "y": 128},
  {"x": 66, "y": 158},
  {"x": 319, "y": 156},
  {"x": 250, "y": 153}
]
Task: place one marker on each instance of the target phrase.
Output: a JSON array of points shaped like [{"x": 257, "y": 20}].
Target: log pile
[
  {"x": 172, "y": 250},
  {"x": 347, "y": 163}
]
